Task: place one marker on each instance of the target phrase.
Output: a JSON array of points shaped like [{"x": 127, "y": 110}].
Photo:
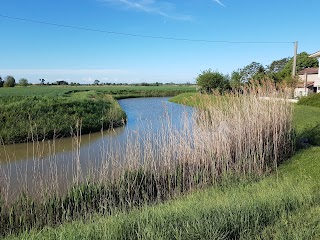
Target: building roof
[
  {"x": 301, "y": 84},
  {"x": 309, "y": 71},
  {"x": 316, "y": 54}
]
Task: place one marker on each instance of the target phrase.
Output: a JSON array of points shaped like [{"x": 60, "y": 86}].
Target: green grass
[
  {"x": 116, "y": 91},
  {"x": 28, "y": 118},
  {"x": 307, "y": 118},
  {"x": 190, "y": 99},
  {"x": 311, "y": 100},
  {"x": 284, "y": 205}
]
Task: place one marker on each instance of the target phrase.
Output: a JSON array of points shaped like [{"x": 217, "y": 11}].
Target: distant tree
[
  {"x": 1, "y": 82},
  {"x": 235, "y": 80},
  {"x": 23, "y": 82},
  {"x": 277, "y": 65},
  {"x": 253, "y": 71},
  {"x": 42, "y": 80},
  {"x": 275, "y": 68},
  {"x": 9, "y": 82},
  {"x": 96, "y": 82},
  {"x": 62, "y": 82},
  {"x": 209, "y": 80}
]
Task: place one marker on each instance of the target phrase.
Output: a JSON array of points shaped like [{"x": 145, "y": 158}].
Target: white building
[
  {"x": 317, "y": 80},
  {"x": 309, "y": 80}
]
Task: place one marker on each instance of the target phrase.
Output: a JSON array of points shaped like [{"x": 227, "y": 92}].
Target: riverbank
[
  {"x": 34, "y": 118},
  {"x": 44, "y": 112},
  {"x": 198, "y": 214},
  {"x": 285, "y": 205}
]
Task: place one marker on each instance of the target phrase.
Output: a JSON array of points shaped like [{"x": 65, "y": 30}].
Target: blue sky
[{"x": 33, "y": 50}]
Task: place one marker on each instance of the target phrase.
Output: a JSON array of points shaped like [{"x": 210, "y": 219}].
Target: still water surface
[{"x": 143, "y": 115}]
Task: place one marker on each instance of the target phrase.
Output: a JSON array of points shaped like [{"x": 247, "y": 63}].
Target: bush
[
  {"x": 311, "y": 100},
  {"x": 23, "y": 82},
  {"x": 209, "y": 81}
]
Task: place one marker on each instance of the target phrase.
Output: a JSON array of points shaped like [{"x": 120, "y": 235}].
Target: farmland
[{"x": 117, "y": 92}]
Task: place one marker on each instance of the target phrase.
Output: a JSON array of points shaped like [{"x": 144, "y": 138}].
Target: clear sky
[{"x": 33, "y": 50}]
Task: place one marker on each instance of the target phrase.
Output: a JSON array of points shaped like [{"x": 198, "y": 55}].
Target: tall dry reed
[{"x": 238, "y": 134}]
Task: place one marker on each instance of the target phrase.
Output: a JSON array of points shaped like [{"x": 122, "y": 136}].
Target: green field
[{"x": 116, "y": 91}]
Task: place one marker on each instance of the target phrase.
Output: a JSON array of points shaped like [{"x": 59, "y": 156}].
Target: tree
[
  {"x": 42, "y": 81},
  {"x": 23, "y": 82},
  {"x": 96, "y": 82},
  {"x": 235, "y": 80},
  {"x": 303, "y": 61},
  {"x": 9, "y": 82},
  {"x": 277, "y": 65},
  {"x": 275, "y": 68},
  {"x": 209, "y": 80},
  {"x": 1, "y": 82},
  {"x": 253, "y": 71}
]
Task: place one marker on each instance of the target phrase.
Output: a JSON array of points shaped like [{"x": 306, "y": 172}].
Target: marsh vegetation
[{"x": 236, "y": 137}]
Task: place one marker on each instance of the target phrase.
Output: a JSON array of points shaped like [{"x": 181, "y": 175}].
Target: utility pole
[{"x": 294, "y": 65}]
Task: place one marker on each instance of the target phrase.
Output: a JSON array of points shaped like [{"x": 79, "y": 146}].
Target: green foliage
[
  {"x": 1, "y": 82},
  {"x": 117, "y": 92},
  {"x": 96, "y": 82},
  {"x": 253, "y": 71},
  {"x": 9, "y": 82},
  {"x": 303, "y": 61},
  {"x": 209, "y": 81},
  {"x": 307, "y": 118},
  {"x": 277, "y": 65},
  {"x": 311, "y": 100},
  {"x": 23, "y": 82},
  {"x": 235, "y": 80},
  {"x": 275, "y": 68},
  {"x": 28, "y": 118}
]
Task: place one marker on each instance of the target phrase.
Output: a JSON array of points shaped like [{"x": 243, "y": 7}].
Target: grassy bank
[
  {"x": 32, "y": 118},
  {"x": 207, "y": 154},
  {"x": 286, "y": 206}
]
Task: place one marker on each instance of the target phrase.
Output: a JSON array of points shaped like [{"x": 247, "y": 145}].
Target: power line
[{"x": 140, "y": 35}]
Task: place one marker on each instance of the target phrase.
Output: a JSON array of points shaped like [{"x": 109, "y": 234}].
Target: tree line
[
  {"x": 10, "y": 81},
  {"x": 279, "y": 71}
]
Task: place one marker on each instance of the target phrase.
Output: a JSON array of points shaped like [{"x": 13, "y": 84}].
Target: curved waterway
[{"x": 20, "y": 163}]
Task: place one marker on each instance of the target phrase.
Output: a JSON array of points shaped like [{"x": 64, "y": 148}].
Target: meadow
[
  {"x": 236, "y": 186},
  {"x": 118, "y": 92}
]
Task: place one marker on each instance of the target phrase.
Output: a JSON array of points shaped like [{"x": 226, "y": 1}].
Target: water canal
[{"x": 20, "y": 164}]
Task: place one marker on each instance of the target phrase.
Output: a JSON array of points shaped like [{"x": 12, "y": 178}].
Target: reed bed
[{"x": 230, "y": 136}]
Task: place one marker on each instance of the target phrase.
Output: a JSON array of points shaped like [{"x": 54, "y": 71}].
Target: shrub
[
  {"x": 23, "y": 82},
  {"x": 209, "y": 81}
]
